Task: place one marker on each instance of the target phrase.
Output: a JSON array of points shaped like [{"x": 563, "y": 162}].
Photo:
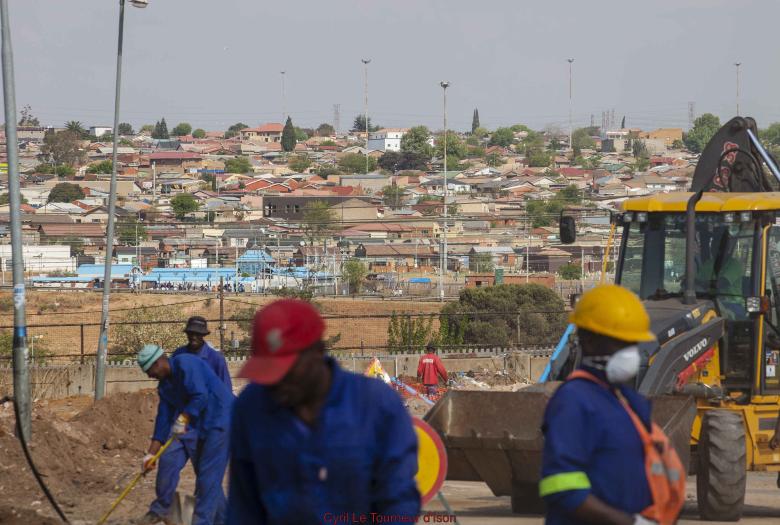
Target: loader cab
[{"x": 735, "y": 277}]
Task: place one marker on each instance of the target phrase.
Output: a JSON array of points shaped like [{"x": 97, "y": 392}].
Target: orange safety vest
[{"x": 663, "y": 468}]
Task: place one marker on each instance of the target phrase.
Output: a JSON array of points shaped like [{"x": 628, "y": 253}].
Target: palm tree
[{"x": 76, "y": 127}]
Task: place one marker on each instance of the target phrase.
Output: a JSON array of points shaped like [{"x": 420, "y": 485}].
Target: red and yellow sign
[{"x": 431, "y": 460}]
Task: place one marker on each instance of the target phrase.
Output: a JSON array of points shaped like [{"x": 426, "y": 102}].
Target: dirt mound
[
  {"x": 14, "y": 516},
  {"x": 85, "y": 461}
]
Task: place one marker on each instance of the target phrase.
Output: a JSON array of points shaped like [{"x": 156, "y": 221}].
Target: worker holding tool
[
  {"x": 310, "y": 442},
  {"x": 183, "y": 448},
  {"x": 429, "y": 369},
  {"x": 192, "y": 396},
  {"x": 604, "y": 462}
]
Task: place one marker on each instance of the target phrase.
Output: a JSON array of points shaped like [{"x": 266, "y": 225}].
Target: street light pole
[
  {"x": 737, "y": 64},
  {"x": 571, "y": 145},
  {"x": 22, "y": 392},
  {"x": 444, "y": 85},
  {"x": 365, "y": 61},
  {"x": 284, "y": 100},
  {"x": 100, "y": 365}
]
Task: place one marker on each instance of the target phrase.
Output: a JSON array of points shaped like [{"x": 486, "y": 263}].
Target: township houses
[
  {"x": 271, "y": 132},
  {"x": 175, "y": 161}
]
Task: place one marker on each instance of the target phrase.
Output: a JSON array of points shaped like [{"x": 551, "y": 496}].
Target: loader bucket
[{"x": 496, "y": 437}]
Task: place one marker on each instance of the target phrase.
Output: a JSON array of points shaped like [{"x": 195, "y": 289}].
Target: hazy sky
[{"x": 213, "y": 63}]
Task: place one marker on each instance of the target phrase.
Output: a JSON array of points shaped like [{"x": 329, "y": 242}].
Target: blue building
[{"x": 254, "y": 262}]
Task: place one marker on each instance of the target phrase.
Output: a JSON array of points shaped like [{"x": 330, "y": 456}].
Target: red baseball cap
[{"x": 281, "y": 330}]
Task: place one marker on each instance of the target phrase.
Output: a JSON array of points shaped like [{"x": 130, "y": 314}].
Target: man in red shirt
[{"x": 429, "y": 368}]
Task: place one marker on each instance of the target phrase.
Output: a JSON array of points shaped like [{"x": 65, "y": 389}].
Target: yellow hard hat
[{"x": 613, "y": 311}]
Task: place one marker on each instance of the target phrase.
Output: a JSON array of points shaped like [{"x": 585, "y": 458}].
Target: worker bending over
[
  {"x": 192, "y": 396},
  {"x": 601, "y": 464},
  {"x": 310, "y": 442},
  {"x": 429, "y": 369},
  {"x": 183, "y": 449}
]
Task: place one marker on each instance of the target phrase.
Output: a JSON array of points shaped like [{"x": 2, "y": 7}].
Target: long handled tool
[{"x": 133, "y": 483}]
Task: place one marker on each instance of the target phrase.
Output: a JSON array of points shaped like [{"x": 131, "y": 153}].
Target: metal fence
[{"x": 369, "y": 334}]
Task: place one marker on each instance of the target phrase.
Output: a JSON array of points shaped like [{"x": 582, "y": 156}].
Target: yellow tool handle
[{"x": 133, "y": 483}]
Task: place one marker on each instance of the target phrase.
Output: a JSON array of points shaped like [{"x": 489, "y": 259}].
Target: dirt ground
[{"x": 53, "y": 309}]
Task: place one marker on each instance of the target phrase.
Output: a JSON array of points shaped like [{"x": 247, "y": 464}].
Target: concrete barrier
[{"x": 56, "y": 382}]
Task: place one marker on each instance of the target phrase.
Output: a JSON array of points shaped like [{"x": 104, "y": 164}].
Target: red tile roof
[
  {"x": 271, "y": 127},
  {"x": 174, "y": 155}
]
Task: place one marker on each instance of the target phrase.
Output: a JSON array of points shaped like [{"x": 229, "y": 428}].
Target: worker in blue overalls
[
  {"x": 182, "y": 450},
  {"x": 593, "y": 468},
  {"x": 192, "y": 397},
  {"x": 311, "y": 443}
]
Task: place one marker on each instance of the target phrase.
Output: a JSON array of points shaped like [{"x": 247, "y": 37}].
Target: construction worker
[
  {"x": 183, "y": 449},
  {"x": 430, "y": 369},
  {"x": 192, "y": 396},
  {"x": 598, "y": 432},
  {"x": 311, "y": 443}
]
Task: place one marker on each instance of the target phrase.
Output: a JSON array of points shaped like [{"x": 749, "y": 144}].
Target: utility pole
[
  {"x": 365, "y": 61},
  {"x": 22, "y": 391},
  {"x": 444, "y": 85},
  {"x": 154, "y": 183},
  {"x": 737, "y": 64},
  {"x": 222, "y": 313},
  {"x": 336, "y": 118},
  {"x": 571, "y": 145},
  {"x": 284, "y": 100}
]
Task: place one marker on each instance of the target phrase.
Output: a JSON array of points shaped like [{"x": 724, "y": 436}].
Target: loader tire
[
  {"x": 721, "y": 473},
  {"x": 526, "y": 499}
]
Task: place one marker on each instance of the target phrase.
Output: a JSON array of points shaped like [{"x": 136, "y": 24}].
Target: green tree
[
  {"x": 299, "y": 163},
  {"x": 394, "y": 161},
  {"x": 392, "y": 195},
  {"x": 475, "y": 121},
  {"x": 319, "y": 220},
  {"x": 234, "y": 130},
  {"x": 63, "y": 147},
  {"x": 325, "y": 130},
  {"x": 356, "y": 163},
  {"x": 678, "y": 144},
  {"x": 406, "y": 333},
  {"x": 300, "y": 134},
  {"x": 5, "y": 199},
  {"x": 360, "y": 124},
  {"x": 63, "y": 170},
  {"x": 65, "y": 192},
  {"x": 570, "y": 271},
  {"x": 161, "y": 130},
  {"x": 199, "y": 133},
  {"x": 493, "y": 160},
  {"x": 147, "y": 128},
  {"x": 581, "y": 139},
  {"x": 641, "y": 164},
  {"x": 703, "y": 129},
  {"x": 571, "y": 194},
  {"x": 455, "y": 146},
  {"x": 104, "y": 166},
  {"x": 288, "y": 136},
  {"x": 505, "y": 314},
  {"x": 639, "y": 149},
  {"x": 239, "y": 165},
  {"x": 354, "y": 272},
  {"x": 417, "y": 140},
  {"x": 481, "y": 263},
  {"x": 125, "y": 129},
  {"x": 520, "y": 127},
  {"x": 181, "y": 129},
  {"x": 27, "y": 118},
  {"x": 126, "y": 232},
  {"x": 76, "y": 127},
  {"x": 538, "y": 158},
  {"x": 771, "y": 135},
  {"x": 184, "y": 203},
  {"x": 502, "y": 137}
]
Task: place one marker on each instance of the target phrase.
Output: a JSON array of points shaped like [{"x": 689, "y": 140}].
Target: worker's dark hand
[
  {"x": 775, "y": 441},
  {"x": 148, "y": 463}
]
